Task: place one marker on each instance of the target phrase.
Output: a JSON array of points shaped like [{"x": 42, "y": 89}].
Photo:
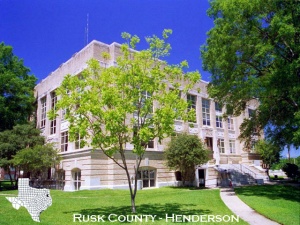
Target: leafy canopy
[
  {"x": 269, "y": 152},
  {"x": 36, "y": 159},
  {"x": 253, "y": 53},
  {"x": 20, "y": 137},
  {"x": 184, "y": 152},
  {"x": 16, "y": 89}
]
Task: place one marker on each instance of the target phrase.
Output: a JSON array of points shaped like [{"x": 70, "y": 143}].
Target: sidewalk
[{"x": 238, "y": 207}]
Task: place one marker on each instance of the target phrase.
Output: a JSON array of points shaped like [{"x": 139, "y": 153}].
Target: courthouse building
[{"x": 84, "y": 168}]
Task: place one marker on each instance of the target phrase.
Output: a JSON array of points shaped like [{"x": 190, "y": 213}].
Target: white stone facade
[{"x": 83, "y": 168}]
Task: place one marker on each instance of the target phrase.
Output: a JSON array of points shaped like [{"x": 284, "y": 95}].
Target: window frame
[
  {"x": 232, "y": 149},
  {"x": 43, "y": 111},
  {"x": 230, "y": 123},
  {"x": 219, "y": 121},
  {"x": 221, "y": 143},
  {"x": 206, "y": 121},
  {"x": 53, "y": 106},
  {"x": 64, "y": 141},
  {"x": 149, "y": 179}
]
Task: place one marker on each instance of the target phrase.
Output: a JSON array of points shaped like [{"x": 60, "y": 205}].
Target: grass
[
  {"x": 280, "y": 203},
  {"x": 159, "y": 202}
]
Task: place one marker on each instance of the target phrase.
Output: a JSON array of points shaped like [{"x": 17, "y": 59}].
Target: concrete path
[{"x": 238, "y": 207}]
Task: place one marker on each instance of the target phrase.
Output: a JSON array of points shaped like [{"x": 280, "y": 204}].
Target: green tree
[
  {"x": 16, "y": 89},
  {"x": 112, "y": 106},
  {"x": 253, "y": 53},
  {"x": 282, "y": 162},
  {"x": 36, "y": 159},
  {"x": 269, "y": 153},
  {"x": 12, "y": 141},
  {"x": 184, "y": 153},
  {"x": 291, "y": 170}
]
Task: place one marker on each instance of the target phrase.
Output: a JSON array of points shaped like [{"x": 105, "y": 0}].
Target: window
[
  {"x": 230, "y": 124},
  {"x": 232, "y": 146},
  {"x": 221, "y": 145},
  {"x": 77, "y": 179},
  {"x": 64, "y": 141},
  {"x": 218, "y": 107},
  {"x": 205, "y": 112},
  {"x": 191, "y": 100},
  {"x": 79, "y": 143},
  {"x": 43, "y": 111},
  {"x": 147, "y": 176},
  {"x": 219, "y": 122},
  {"x": 53, "y": 126},
  {"x": 53, "y": 105}
]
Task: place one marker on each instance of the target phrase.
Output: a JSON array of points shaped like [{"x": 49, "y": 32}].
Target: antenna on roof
[{"x": 87, "y": 30}]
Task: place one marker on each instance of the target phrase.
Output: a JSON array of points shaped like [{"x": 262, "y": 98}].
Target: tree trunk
[
  {"x": 10, "y": 178},
  {"x": 267, "y": 171},
  {"x": 133, "y": 209},
  {"x": 132, "y": 192}
]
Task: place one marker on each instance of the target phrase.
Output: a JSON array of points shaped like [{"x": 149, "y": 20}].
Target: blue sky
[{"x": 47, "y": 33}]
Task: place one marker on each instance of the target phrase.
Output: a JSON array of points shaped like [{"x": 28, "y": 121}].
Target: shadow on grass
[
  {"x": 160, "y": 210},
  {"x": 271, "y": 191}
]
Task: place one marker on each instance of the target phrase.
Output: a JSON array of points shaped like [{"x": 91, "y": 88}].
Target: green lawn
[
  {"x": 159, "y": 202},
  {"x": 277, "y": 202}
]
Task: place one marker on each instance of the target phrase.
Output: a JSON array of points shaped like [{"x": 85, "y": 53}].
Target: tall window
[
  {"x": 64, "y": 141},
  {"x": 43, "y": 111},
  {"x": 219, "y": 122},
  {"x": 230, "y": 124},
  {"x": 221, "y": 145},
  {"x": 53, "y": 105},
  {"x": 191, "y": 100},
  {"x": 147, "y": 176},
  {"x": 218, "y": 107},
  {"x": 232, "y": 146},
  {"x": 205, "y": 112},
  {"x": 79, "y": 143},
  {"x": 77, "y": 179}
]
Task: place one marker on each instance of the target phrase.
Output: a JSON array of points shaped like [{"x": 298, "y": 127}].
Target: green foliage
[
  {"x": 280, "y": 164},
  {"x": 20, "y": 137},
  {"x": 253, "y": 52},
  {"x": 16, "y": 89},
  {"x": 269, "y": 152},
  {"x": 184, "y": 153},
  {"x": 36, "y": 159},
  {"x": 112, "y": 106},
  {"x": 291, "y": 170}
]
